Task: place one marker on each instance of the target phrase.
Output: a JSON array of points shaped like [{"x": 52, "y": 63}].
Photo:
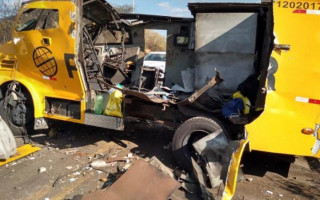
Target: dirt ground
[{"x": 68, "y": 155}]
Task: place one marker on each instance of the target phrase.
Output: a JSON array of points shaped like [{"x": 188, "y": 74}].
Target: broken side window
[{"x": 38, "y": 19}]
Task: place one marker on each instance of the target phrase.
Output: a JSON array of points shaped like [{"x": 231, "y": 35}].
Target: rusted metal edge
[
  {"x": 214, "y": 81},
  {"x": 142, "y": 181}
]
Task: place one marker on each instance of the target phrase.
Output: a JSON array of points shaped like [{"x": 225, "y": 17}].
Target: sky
[{"x": 176, "y": 8}]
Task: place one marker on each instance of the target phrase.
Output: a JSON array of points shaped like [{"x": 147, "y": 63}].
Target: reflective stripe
[
  {"x": 313, "y": 12},
  {"x": 49, "y": 78},
  {"x": 310, "y": 12},
  {"x": 307, "y": 100},
  {"x": 302, "y": 99},
  {"x": 314, "y": 101},
  {"x": 300, "y": 11}
]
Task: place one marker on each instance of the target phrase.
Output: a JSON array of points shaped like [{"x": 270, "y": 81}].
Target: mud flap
[{"x": 220, "y": 160}]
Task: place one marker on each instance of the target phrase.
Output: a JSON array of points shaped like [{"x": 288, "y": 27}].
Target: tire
[
  {"x": 10, "y": 115},
  {"x": 189, "y": 132}
]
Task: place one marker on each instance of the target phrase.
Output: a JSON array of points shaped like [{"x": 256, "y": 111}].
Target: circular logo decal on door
[{"x": 45, "y": 61}]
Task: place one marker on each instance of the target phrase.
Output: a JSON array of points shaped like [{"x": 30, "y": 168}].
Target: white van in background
[{"x": 156, "y": 60}]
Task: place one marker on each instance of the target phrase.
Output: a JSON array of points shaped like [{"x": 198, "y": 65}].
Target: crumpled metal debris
[
  {"x": 158, "y": 164},
  {"x": 213, "y": 149},
  {"x": 221, "y": 158},
  {"x": 99, "y": 164},
  {"x": 206, "y": 194},
  {"x": 214, "y": 81}
]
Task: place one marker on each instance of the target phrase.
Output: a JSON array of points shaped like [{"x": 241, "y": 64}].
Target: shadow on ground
[{"x": 259, "y": 163}]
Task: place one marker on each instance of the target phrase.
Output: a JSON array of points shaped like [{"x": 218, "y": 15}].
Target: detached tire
[{"x": 189, "y": 132}]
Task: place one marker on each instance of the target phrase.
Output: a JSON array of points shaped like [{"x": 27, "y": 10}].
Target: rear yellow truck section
[
  {"x": 293, "y": 98},
  {"x": 44, "y": 55}
]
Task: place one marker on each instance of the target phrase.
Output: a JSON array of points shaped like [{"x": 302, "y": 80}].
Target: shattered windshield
[
  {"x": 38, "y": 19},
  {"x": 99, "y": 12},
  {"x": 156, "y": 57}
]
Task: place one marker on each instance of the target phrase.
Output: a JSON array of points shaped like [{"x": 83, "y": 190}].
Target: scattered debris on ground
[
  {"x": 42, "y": 170},
  {"x": 97, "y": 161}
]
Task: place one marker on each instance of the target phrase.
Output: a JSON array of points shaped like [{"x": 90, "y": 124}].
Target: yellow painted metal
[
  {"x": 231, "y": 183},
  {"x": 7, "y": 52},
  {"x": 317, "y": 155},
  {"x": 62, "y": 42},
  {"x": 279, "y": 127},
  {"x": 318, "y": 118},
  {"x": 21, "y": 152}
]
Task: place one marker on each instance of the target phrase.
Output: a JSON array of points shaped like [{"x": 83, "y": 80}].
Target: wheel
[
  {"x": 189, "y": 132},
  {"x": 19, "y": 118}
]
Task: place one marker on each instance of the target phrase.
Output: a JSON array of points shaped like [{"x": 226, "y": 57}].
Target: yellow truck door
[
  {"x": 45, "y": 44},
  {"x": 293, "y": 88}
]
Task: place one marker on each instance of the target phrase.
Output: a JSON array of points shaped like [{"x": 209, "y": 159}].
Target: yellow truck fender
[
  {"x": 232, "y": 176},
  {"x": 4, "y": 80}
]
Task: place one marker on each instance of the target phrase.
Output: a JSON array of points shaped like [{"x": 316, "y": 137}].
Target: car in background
[{"x": 156, "y": 60}]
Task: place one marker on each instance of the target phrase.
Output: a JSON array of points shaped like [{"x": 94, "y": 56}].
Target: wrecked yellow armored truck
[{"x": 238, "y": 76}]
